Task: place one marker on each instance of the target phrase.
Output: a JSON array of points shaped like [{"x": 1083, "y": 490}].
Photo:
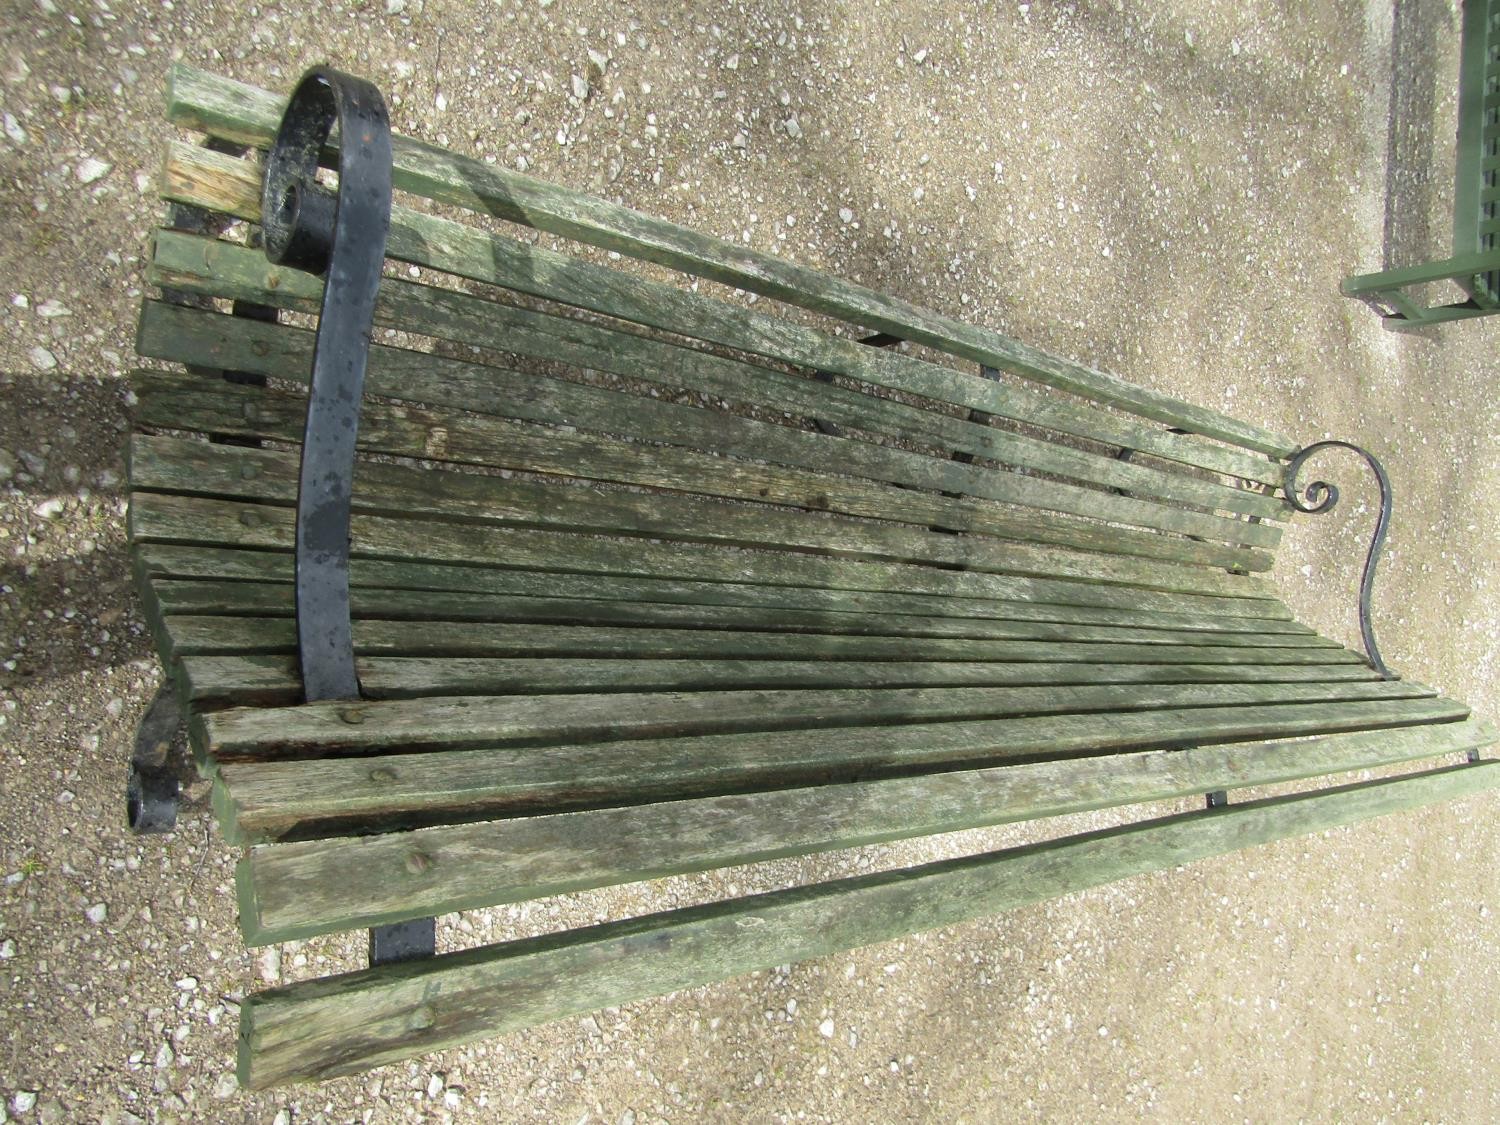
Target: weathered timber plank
[
  {"x": 275, "y": 799},
  {"x": 246, "y": 599},
  {"x": 295, "y": 890},
  {"x": 165, "y": 561},
  {"x": 199, "y": 177},
  {"x": 179, "y": 465},
  {"x": 466, "y": 319},
  {"x": 271, "y": 680},
  {"x": 454, "y": 722},
  {"x": 169, "y": 400},
  {"x": 196, "y": 580},
  {"x": 178, "y": 519},
  {"x": 343, "y": 1024},
  {"x": 205, "y": 635},
  {"x": 198, "y": 337},
  {"x": 241, "y": 112}
]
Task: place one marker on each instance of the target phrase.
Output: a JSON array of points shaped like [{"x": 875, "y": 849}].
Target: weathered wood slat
[
  {"x": 189, "y": 635},
  {"x": 178, "y": 519},
  {"x": 168, "y": 400},
  {"x": 331, "y": 729},
  {"x": 196, "y": 337},
  {"x": 199, "y": 177},
  {"x": 277, "y": 799},
  {"x": 269, "y": 680},
  {"x": 463, "y": 318},
  {"x": 243, "y": 599},
  {"x": 241, "y": 112},
  {"x": 296, "y": 890},
  {"x": 165, "y": 561},
  {"x": 199, "y": 468},
  {"x": 344, "y": 1024}
]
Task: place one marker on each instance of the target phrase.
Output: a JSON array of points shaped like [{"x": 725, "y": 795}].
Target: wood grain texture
[
  {"x": 171, "y": 401},
  {"x": 158, "y": 517},
  {"x": 197, "y": 264},
  {"x": 296, "y": 890},
  {"x": 344, "y": 1024},
  {"x": 214, "y": 682},
  {"x": 178, "y": 465},
  {"x": 201, "y": 338},
  {"x": 236, "y": 111}
]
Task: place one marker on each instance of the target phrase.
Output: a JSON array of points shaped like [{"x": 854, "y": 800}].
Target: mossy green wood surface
[
  {"x": 241, "y": 599},
  {"x": 188, "y": 467},
  {"x": 210, "y": 634},
  {"x": 345, "y": 1024},
  {"x": 201, "y": 338},
  {"x": 239, "y": 112},
  {"x": 186, "y": 578},
  {"x": 213, "y": 682},
  {"x": 173, "y": 401},
  {"x": 266, "y": 800},
  {"x": 292, "y": 891},
  {"x": 374, "y": 726},
  {"x": 167, "y": 518},
  {"x": 267, "y": 590},
  {"x": 469, "y": 320},
  {"x": 199, "y": 177}
]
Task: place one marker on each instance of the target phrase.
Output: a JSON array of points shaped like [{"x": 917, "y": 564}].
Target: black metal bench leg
[
  {"x": 403, "y": 941},
  {"x": 152, "y": 789}
]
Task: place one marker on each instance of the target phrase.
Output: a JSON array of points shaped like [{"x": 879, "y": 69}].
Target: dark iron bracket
[
  {"x": 342, "y": 237},
  {"x": 1320, "y": 496},
  {"x": 152, "y": 789}
]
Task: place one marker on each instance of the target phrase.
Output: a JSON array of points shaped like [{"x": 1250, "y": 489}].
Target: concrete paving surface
[{"x": 1168, "y": 190}]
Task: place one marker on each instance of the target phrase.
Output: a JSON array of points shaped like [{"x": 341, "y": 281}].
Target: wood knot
[
  {"x": 418, "y": 862},
  {"x": 260, "y": 348},
  {"x": 352, "y": 715},
  {"x": 249, "y": 518},
  {"x": 247, "y": 472},
  {"x": 382, "y": 773}
]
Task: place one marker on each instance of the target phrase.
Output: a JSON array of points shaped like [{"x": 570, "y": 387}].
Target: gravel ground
[{"x": 1170, "y": 190}]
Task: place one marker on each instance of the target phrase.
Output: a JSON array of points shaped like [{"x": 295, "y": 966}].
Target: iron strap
[{"x": 343, "y": 238}]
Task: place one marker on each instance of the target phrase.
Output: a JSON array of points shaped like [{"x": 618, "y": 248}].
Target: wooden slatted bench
[{"x": 643, "y": 580}]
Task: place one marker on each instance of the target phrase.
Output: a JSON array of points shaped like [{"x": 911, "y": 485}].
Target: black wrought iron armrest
[
  {"x": 1321, "y": 496},
  {"x": 341, "y": 237}
]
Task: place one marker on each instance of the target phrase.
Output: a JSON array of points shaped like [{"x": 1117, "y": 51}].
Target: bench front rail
[{"x": 644, "y": 581}]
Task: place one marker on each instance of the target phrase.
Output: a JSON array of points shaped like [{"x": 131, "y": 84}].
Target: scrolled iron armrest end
[{"x": 1320, "y": 496}]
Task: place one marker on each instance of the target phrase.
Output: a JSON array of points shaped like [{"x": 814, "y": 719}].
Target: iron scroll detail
[
  {"x": 342, "y": 237},
  {"x": 1320, "y": 496}
]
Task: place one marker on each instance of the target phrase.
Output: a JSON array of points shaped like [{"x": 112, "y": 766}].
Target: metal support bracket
[
  {"x": 343, "y": 238},
  {"x": 1320, "y": 496},
  {"x": 152, "y": 789}
]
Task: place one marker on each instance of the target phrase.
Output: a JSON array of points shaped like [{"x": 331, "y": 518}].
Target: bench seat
[{"x": 648, "y": 581}]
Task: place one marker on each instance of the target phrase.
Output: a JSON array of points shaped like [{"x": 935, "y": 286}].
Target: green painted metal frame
[{"x": 1475, "y": 265}]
